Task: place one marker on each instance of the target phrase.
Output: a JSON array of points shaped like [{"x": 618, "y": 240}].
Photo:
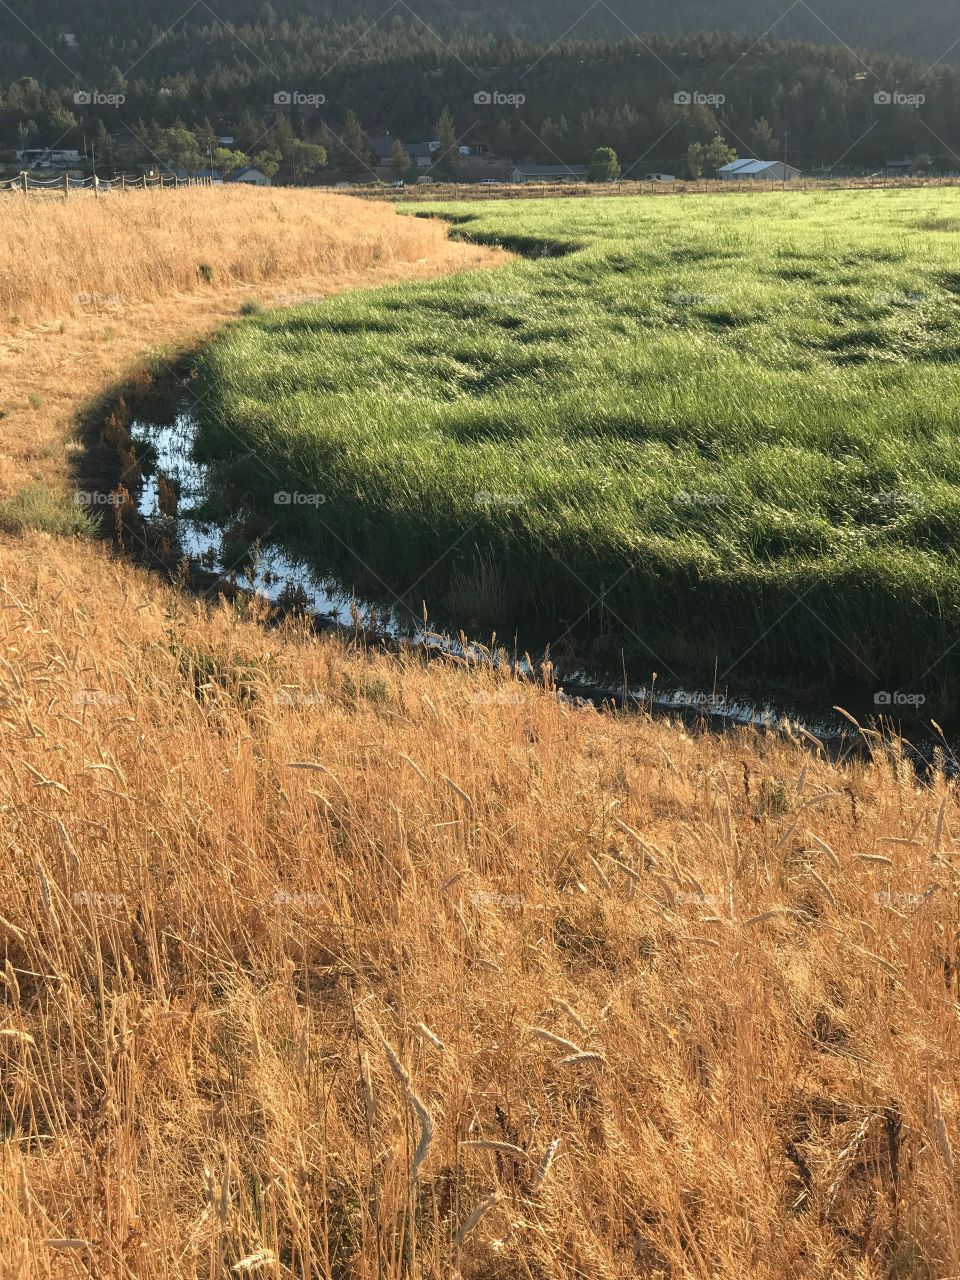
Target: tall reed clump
[{"x": 320, "y": 962}]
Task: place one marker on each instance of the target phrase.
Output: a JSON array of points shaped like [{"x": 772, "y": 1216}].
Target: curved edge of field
[{"x": 98, "y": 289}]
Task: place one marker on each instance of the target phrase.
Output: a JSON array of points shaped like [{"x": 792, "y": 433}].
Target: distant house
[
  {"x": 252, "y": 177},
  {"x": 758, "y": 171},
  {"x": 549, "y": 173},
  {"x": 423, "y": 154},
  {"x": 382, "y": 147},
  {"x": 48, "y": 157},
  {"x": 659, "y": 177},
  {"x": 898, "y": 169}
]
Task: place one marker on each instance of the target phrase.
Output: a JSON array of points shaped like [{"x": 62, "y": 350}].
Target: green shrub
[{"x": 37, "y": 507}]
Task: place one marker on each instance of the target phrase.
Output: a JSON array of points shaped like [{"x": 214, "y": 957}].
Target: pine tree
[
  {"x": 352, "y": 150},
  {"x": 763, "y": 143},
  {"x": 399, "y": 160},
  {"x": 446, "y": 165},
  {"x": 206, "y": 138},
  {"x": 104, "y": 148}
]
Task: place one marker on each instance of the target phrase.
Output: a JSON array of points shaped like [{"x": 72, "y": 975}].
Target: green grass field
[{"x": 718, "y": 430}]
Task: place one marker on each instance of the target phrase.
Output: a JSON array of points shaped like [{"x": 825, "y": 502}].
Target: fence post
[
  {"x": 144, "y": 182},
  {"x": 66, "y": 185},
  {"x": 123, "y": 182},
  {"x": 26, "y": 182}
]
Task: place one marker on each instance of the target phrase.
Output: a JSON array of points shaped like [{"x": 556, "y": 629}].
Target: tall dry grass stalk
[
  {"x": 673, "y": 1006},
  {"x": 192, "y": 928},
  {"x": 83, "y": 256}
]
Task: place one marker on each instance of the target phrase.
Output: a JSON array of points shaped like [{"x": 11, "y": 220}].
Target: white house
[
  {"x": 252, "y": 177},
  {"x": 758, "y": 171}
]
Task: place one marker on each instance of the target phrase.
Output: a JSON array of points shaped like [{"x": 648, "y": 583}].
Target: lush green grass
[
  {"x": 735, "y": 419},
  {"x": 37, "y": 507}
]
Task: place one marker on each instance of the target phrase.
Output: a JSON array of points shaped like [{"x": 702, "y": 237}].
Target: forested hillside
[
  {"x": 145, "y": 94},
  {"x": 926, "y": 28}
]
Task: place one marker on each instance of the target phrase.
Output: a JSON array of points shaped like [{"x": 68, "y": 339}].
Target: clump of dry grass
[
  {"x": 95, "y": 256},
  {"x": 674, "y": 1029}
]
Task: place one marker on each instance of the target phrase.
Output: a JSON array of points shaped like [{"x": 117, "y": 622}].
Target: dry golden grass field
[{"x": 319, "y": 962}]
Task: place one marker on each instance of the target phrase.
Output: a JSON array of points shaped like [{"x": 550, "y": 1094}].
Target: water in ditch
[{"x": 168, "y": 463}]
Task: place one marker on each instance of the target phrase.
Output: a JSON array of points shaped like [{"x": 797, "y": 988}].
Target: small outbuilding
[{"x": 250, "y": 177}]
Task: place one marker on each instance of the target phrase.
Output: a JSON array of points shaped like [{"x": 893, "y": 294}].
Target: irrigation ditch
[{"x": 138, "y": 469}]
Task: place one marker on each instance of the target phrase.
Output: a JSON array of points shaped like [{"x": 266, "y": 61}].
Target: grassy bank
[{"x": 710, "y": 428}]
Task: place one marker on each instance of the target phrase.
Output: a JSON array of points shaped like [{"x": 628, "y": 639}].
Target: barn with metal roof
[{"x": 760, "y": 170}]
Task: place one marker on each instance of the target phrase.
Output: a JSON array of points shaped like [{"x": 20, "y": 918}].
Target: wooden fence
[
  {"x": 65, "y": 185},
  {"x": 584, "y": 190}
]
